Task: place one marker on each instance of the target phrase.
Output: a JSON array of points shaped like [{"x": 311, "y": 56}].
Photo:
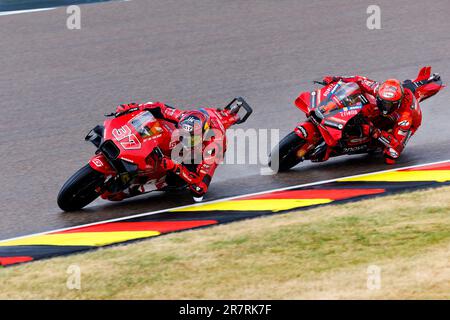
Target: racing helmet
[
  {"x": 389, "y": 96},
  {"x": 193, "y": 124}
]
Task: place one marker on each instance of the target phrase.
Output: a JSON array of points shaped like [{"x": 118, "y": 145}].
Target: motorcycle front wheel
[
  {"x": 286, "y": 150},
  {"x": 80, "y": 189}
]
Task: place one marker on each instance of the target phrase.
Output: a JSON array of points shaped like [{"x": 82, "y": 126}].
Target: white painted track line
[
  {"x": 8, "y": 13},
  {"x": 221, "y": 200},
  {"x": 12, "y": 12}
]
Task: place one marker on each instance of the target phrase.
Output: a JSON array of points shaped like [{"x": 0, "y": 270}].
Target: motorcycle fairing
[
  {"x": 425, "y": 85},
  {"x": 342, "y": 103},
  {"x": 136, "y": 135},
  {"x": 308, "y": 101},
  {"x": 100, "y": 164},
  {"x": 331, "y": 107},
  {"x": 327, "y": 124}
]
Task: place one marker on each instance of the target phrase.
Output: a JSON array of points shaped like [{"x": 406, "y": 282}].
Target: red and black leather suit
[{"x": 393, "y": 130}]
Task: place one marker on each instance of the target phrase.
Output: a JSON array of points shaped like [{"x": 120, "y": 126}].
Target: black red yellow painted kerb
[{"x": 80, "y": 239}]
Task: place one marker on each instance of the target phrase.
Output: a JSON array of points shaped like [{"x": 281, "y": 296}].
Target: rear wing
[{"x": 425, "y": 85}]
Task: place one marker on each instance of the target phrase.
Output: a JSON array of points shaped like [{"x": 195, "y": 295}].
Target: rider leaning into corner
[
  {"x": 396, "y": 115},
  {"x": 196, "y": 125}
]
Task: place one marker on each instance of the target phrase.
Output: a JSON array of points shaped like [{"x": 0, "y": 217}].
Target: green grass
[{"x": 318, "y": 253}]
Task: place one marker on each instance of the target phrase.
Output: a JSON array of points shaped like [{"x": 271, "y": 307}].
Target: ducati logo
[
  {"x": 98, "y": 163},
  {"x": 355, "y": 149},
  {"x": 126, "y": 138}
]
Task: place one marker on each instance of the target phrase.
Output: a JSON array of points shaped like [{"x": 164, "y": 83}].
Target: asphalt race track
[{"x": 56, "y": 84}]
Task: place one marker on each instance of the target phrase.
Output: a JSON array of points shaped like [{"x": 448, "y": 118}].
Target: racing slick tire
[
  {"x": 287, "y": 151},
  {"x": 80, "y": 189}
]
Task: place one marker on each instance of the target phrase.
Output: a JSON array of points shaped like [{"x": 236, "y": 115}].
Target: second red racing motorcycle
[
  {"x": 127, "y": 160},
  {"x": 334, "y": 124}
]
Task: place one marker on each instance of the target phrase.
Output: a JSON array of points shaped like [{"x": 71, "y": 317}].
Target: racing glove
[
  {"x": 330, "y": 79},
  {"x": 126, "y": 107},
  {"x": 384, "y": 137},
  {"x": 167, "y": 163},
  {"x": 370, "y": 130},
  {"x": 180, "y": 170},
  {"x": 393, "y": 148},
  {"x": 391, "y": 143},
  {"x": 375, "y": 133}
]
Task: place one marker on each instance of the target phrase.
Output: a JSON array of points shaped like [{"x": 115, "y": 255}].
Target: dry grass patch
[{"x": 319, "y": 253}]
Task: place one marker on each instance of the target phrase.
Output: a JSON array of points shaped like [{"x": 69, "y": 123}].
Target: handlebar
[
  {"x": 320, "y": 82},
  {"x": 235, "y": 105},
  {"x": 118, "y": 114}
]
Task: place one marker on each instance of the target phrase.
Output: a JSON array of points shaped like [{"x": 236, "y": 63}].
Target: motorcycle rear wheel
[
  {"x": 287, "y": 150},
  {"x": 80, "y": 189}
]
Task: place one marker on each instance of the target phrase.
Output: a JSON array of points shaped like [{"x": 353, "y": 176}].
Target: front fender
[{"x": 100, "y": 164}]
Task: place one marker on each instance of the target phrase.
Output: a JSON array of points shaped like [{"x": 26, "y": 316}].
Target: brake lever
[
  {"x": 436, "y": 76},
  {"x": 118, "y": 114},
  {"x": 320, "y": 82}
]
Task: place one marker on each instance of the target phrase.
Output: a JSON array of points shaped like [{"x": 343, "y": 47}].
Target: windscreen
[
  {"x": 146, "y": 124},
  {"x": 347, "y": 96}
]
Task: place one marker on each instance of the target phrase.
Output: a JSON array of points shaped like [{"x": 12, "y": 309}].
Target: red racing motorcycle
[
  {"x": 334, "y": 124},
  {"x": 127, "y": 160}
]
